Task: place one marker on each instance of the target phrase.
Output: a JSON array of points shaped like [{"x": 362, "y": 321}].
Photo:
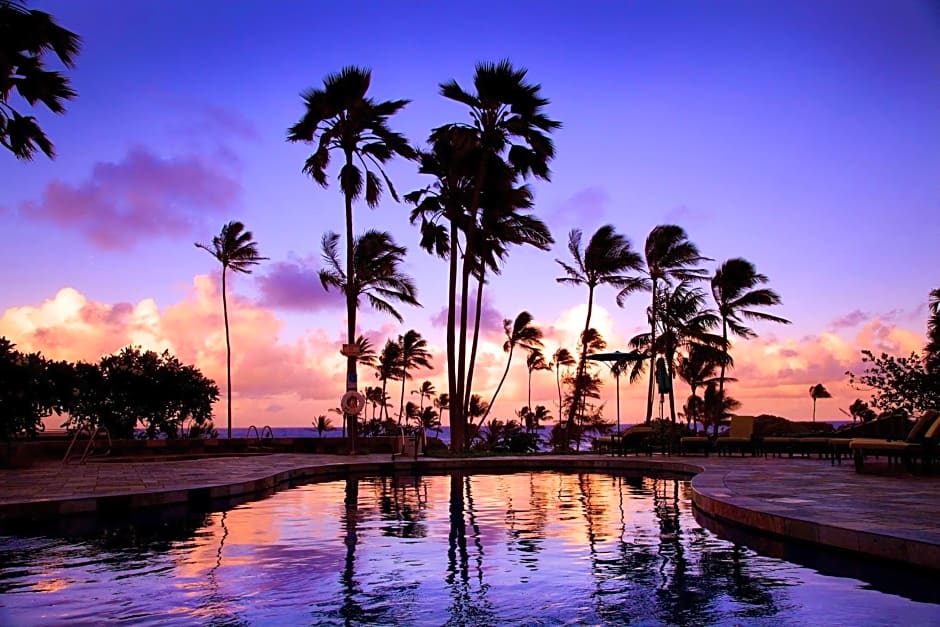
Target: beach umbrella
[{"x": 613, "y": 360}]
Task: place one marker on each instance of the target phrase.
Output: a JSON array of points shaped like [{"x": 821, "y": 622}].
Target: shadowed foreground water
[{"x": 528, "y": 548}]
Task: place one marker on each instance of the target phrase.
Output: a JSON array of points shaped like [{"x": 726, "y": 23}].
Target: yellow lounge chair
[{"x": 920, "y": 440}]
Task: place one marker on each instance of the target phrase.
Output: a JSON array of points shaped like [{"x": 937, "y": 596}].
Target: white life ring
[{"x": 352, "y": 403}]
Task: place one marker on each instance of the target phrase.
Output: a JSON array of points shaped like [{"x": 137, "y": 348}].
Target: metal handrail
[{"x": 92, "y": 435}]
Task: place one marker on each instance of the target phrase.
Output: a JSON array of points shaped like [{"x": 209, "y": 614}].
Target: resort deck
[{"x": 892, "y": 516}]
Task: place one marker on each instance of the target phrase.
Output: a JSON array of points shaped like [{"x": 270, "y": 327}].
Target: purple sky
[{"x": 804, "y": 136}]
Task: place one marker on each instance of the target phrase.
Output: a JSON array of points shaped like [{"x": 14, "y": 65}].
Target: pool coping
[{"x": 710, "y": 494}]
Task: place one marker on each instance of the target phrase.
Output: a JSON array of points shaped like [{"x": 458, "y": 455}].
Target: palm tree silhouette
[
  {"x": 507, "y": 121},
  {"x": 535, "y": 360},
  {"x": 25, "y": 36},
  {"x": 669, "y": 256},
  {"x": 561, "y": 357},
  {"x": 413, "y": 354},
  {"x": 734, "y": 287},
  {"x": 816, "y": 392},
  {"x": 605, "y": 259},
  {"x": 388, "y": 368},
  {"x": 321, "y": 424},
  {"x": 340, "y": 117},
  {"x": 519, "y": 332},
  {"x": 717, "y": 406},
  {"x": 426, "y": 390},
  {"x": 235, "y": 249},
  {"x": 932, "y": 349}
]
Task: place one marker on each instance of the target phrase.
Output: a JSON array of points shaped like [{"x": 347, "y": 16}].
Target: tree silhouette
[
  {"x": 816, "y": 392},
  {"x": 236, "y": 250},
  {"x": 25, "y": 37},
  {"x": 340, "y": 117}
]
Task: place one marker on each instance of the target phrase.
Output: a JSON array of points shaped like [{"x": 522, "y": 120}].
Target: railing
[
  {"x": 92, "y": 433},
  {"x": 262, "y": 437}
]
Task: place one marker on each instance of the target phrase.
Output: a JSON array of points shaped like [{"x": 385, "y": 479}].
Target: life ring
[{"x": 352, "y": 403}]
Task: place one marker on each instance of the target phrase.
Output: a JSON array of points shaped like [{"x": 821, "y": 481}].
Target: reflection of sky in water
[{"x": 529, "y": 547}]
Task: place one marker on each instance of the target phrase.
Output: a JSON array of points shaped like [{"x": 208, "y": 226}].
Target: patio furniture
[
  {"x": 637, "y": 438},
  {"x": 740, "y": 436},
  {"x": 921, "y": 441},
  {"x": 692, "y": 443}
]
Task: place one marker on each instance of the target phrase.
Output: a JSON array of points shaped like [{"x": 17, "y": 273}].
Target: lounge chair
[
  {"x": 692, "y": 443},
  {"x": 637, "y": 438},
  {"x": 921, "y": 441},
  {"x": 740, "y": 436}
]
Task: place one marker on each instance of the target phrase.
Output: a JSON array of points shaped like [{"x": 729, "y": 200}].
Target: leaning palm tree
[
  {"x": 519, "y": 332},
  {"x": 604, "y": 261},
  {"x": 340, "y": 117},
  {"x": 736, "y": 292},
  {"x": 508, "y": 124},
  {"x": 535, "y": 360},
  {"x": 561, "y": 357},
  {"x": 25, "y": 36},
  {"x": 414, "y": 353},
  {"x": 321, "y": 424},
  {"x": 236, "y": 250},
  {"x": 669, "y": 256},
  {"x": 816, "y": 392}
]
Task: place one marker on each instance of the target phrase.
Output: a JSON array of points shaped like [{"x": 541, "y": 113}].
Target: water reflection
[{"x": 456, "y": 549}]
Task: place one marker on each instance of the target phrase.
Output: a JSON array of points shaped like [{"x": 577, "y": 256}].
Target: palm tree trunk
[
  {"x": 649, "y": 393},
  {"x": 814, "y": 409},
  {"x": 582, "y": 362},
  {"x": 384, "y": 399},
  {"x": 458, "y": 421},
  {"x": 401, "y": 405},
  {"x": 724, "y": 336},
  {"x": 498, "y": 387},
  {"x": 529, "y": 402},
  {"x": 351, "y": 382},
  {"x": 476, "y": 337},
  {"x": 228, "y": 356},
  {"x": 672, "y": 396},
  {"x": 558, "y": 383}
]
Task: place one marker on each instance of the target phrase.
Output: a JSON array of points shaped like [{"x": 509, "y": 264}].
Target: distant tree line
[{"x": 131, "y": 390}]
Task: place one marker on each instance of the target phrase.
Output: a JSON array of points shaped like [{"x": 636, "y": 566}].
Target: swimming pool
[{"x": 522, "y": 548}]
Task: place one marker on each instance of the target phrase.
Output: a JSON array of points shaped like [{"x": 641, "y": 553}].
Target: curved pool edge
[{"x": 710, "y": 493}]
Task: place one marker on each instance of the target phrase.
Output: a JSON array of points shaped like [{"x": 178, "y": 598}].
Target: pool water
[{"x": 534, "y": 548}]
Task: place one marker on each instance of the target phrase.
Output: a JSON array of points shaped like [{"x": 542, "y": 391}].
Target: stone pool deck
[{"x": 888, "y": 515}]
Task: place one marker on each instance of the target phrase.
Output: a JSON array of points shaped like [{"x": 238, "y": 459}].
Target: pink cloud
[
  {"x": 295, "y": 285},
  {"x": 142, "y": 196},
  {"x": 849, "y": 320}
]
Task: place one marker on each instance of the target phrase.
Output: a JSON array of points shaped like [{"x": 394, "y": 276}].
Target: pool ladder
[
  {"x": 92, "y": 433},
  {"x": 263, "y": 437}
]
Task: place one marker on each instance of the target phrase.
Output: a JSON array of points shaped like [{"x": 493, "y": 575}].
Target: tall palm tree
[
  {"x": 736, "y": 292},
  {"x": 340, "y": 117},
  {"x": 669, "y": 256},
  {"x": 535, "y": 360},
  {"x": 414, "y": 354},
  {"x": 519, "y": 332},
  {"x": 236, "y": 250},
  {"x": 26, "y": 35},
  {"x": 388, "y": 368},
  {"x": 425, "y": 391},
  {"x": 604, "y": 261},
  {"x": 698, "y": 368},
  {"x": 561, "y": 357},
  {"x": 508, "y": 124},
  {"x": 816, "y": 392}
]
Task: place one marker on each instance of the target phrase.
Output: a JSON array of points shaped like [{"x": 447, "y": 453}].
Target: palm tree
[
  {"x": 669, "y": 256},
  {"x": 236, "y": 250},
  {"x": 535, "y": 360},
  {"x": 604, "y": 261},
  {"x": 816, "y": 392},
  {"x": 340, "y": 117},
  {"x": 388, "y": 368},
  {"x": 507, "y": 122},
  {"x": 413, "y": 354},
  {"x": 698, "y": 368},
  {"x": 321, "y": 424},
  {"x": 519, "y": 332},
  {"x": 375, "y": 396},
  {"x": 735, "y": 290},
  {"x": 367, "y": 355},
  {"x": 561, "y": 357},
  {"x": 25, "y": 36},
  {"x": 442, "y": 404},
  {"x": 425, "y": 391},
  {"x": 717, "y": 406},
  {"x": 932, "y": 349}
]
